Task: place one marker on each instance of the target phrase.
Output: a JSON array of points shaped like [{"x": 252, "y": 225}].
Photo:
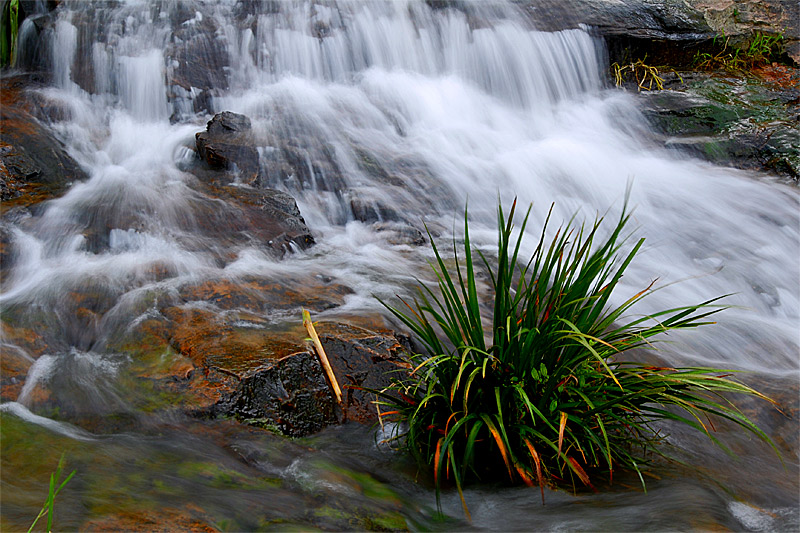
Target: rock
[
  {"x": 228, "y": 144},
  {"x": 745, "y": 122},
  {"x": 363, "y": 360},
  {"x": 398, "y": 233},
  {"x": 34, "y": 165},
  {"x": 199, "y": 62},
  {"x": 674, "y": 20},
  {"x": 371, "y": 210},
  {"x": 293, "y": 396},
  {"x": 251, "y": 214}
]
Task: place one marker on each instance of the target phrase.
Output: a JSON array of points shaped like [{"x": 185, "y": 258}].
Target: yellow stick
[{"x": 322, "y": 357}]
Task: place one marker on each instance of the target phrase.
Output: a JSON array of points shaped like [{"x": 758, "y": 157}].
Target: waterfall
[
  {"x": 380, "y": 119},
  {"x": 396, "y": 112}
]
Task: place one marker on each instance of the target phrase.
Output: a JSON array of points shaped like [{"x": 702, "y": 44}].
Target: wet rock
[
  {"x": 371, "y": 210},
  {"x": 293, "y": 396},
  {"x": 228, "y": 144},
  {"x": 213, "y": 341},
  {"x": 34, "y": 166},
  {"x": 674, "y": 20},
  {"x": 197, "y": 58},
  {"x": 272, "y": 217},
  {"x": 743, "y": 121},
  {"x": 261, "y": 295},
  {"x": 362, "y": 359},
  {"x": 188, "y": 518},
  {"x": 251, "y": 215},
  {"x": 398, "y": 233}
]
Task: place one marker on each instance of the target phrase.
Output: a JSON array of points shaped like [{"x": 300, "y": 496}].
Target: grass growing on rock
[{"x": 546, "y": 396}]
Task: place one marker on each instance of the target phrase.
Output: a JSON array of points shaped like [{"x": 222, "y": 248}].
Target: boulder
[
  {"x": 252, "y": 214},
  {"x": 745, "y": 122},
  {"x": 292, "y": 395},
  {"x": 228, "y": 144}
]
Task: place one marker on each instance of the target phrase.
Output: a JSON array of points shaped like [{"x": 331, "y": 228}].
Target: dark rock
[
  {"x": 265, "y": 217},
  {"x": 228, "y": 144},
  {"x": 293, "y": 395},
  {"x": 363, "y": 361},
  {"x": 229, "y": 122},
  {"x": 398, "y": 233},
  {"x": 198, "y": 59},
  {"x": 371, "y": 210},
  {"x": 256, "y": 215},
  {"x": 746, "y": 122},
  {"x": 674, "y": 20}
]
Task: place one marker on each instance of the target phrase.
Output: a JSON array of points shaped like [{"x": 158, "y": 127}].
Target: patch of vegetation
[
  {"x": 645, "y": 75},
  {"x": 546, "y": 396},
  {"x": 9, "y": 27},
  {"x": 55, "y": 488},
  {"x": 762, "y": 49}
]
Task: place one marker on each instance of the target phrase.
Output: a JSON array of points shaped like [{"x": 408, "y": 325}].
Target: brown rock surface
[{"x": 34, "y": 166}]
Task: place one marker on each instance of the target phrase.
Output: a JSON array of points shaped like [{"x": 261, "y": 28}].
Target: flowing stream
[{"x": 400, "y": 115}]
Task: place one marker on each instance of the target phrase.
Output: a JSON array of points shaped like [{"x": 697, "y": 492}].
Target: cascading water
[{"x": 373, "y": 115}]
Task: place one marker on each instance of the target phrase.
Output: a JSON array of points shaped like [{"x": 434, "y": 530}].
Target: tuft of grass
[
  {"x": 55, "y": 488},
  {"x": 546, "y": 396},
  {"x": 645, "y": 75},
  {"x": 9, "y": 27},
  {"x": 762, "y": 50}
]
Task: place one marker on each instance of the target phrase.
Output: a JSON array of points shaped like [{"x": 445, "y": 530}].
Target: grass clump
[
  {"x": 645, "y": 75},
  {"x": 545, "y": 396},
  {"x": 761, "y": 50},
  {"x": 9, "y": 28}
]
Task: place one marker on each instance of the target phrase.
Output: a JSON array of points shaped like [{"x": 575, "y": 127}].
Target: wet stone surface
[
  {"x": 293, "y": 397},
  {"x": 750, "y": 122},
  {"x": 34, "y": 166}
]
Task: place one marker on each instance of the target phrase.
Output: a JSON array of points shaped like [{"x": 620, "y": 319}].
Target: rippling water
[{"x": 402, "y": 115}]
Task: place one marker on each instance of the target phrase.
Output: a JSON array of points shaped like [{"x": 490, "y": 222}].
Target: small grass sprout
[
  {"x": 55, "y": 488},
  {"x": 547, "y": 396}
]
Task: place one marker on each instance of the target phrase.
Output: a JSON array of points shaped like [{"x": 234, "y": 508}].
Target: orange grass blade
[
  {"x": 436, "y": 461},
  {"x": 561, "y": 426},
  {"x": 500, "y": 444},
  {"x": 538, "y": 464},
  {"x": 584, "y": 477}
]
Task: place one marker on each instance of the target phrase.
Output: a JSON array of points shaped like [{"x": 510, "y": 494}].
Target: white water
[
  {"x": 498, "y": 109},
  {"x": 454, "y": 110}
]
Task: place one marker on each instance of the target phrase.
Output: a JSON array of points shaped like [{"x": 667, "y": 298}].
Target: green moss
[{"x": 216, "y": 476}]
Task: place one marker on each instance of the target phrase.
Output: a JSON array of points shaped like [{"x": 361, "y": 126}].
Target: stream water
[{"x": 406, "y": 113}]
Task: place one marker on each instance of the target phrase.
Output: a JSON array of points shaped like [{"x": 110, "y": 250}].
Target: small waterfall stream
[{"x": 377, "y": 117}]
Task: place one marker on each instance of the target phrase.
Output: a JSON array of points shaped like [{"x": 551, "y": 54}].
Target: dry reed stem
[{"x": 322, "y": 357}]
